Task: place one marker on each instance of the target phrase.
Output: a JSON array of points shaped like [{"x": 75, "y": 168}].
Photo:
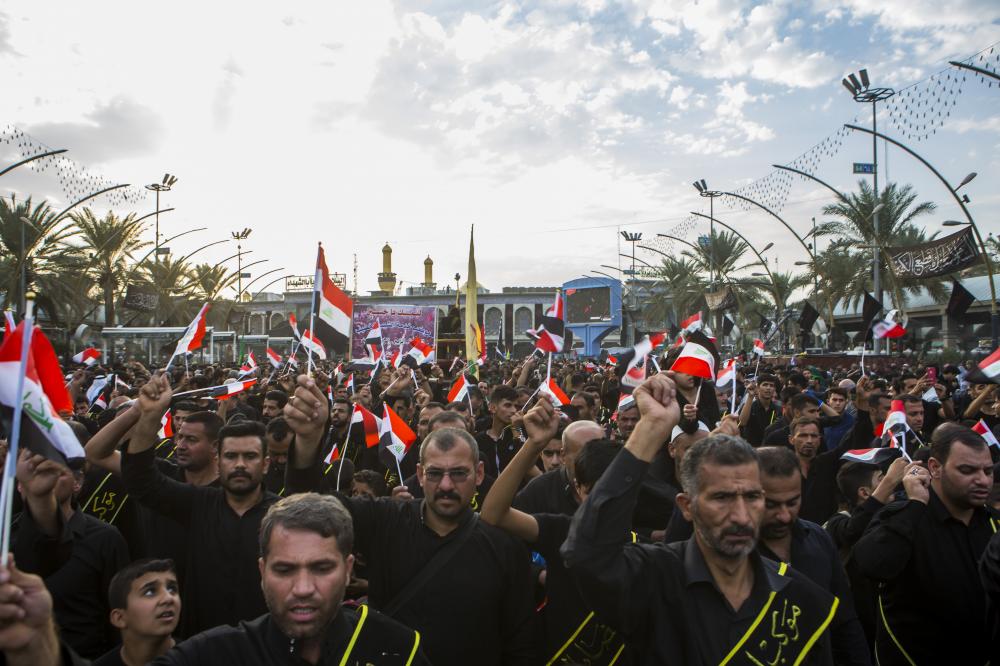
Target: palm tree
[
  {"x": 207, "y": 281},
  {"x": 172, "y": 280},
  {"x": 855, "y": 230},
  {"x": 110, "y": 244},
  {"x": 678, "y": 292},
  {"x": 44, "y": 255}
]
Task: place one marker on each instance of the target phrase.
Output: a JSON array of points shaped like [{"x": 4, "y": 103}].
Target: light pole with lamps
[
  {"x": 863, "y": 93},
  {"x": 163, "y": 186},
  {"x": 711, "y": 195}
]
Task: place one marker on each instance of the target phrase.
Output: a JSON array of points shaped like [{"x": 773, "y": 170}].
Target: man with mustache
[
  {"x": 701, "y": 601},
  {"x": 924, "y": 550},
  {"x": 784, "y": 537},
  {"x": 473, "y": 593},
  {"x": 222, "y": 583}
]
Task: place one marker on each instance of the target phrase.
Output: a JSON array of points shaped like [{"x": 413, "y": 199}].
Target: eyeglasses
[{"x": 435, "y": 475}]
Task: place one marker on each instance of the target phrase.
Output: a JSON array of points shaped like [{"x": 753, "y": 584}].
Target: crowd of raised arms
[{"x": 820, "y": 516}]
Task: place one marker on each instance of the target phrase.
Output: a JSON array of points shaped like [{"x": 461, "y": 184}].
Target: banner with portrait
[
  {"x": 399, "y": 324},
  {"x": 935, "y": 258},
  {"x": 723, "y": 299}
]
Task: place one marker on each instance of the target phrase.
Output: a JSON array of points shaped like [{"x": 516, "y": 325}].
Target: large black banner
[
  {"x": 938, "y": 257},
  {"x": 142, "y": 297}
]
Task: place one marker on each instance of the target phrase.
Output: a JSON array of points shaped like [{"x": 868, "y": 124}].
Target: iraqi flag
[
  {"x": 292, "y": 361},
  {"x": 274, "y": 358},
  {"x": 193, "y": 334},
  {"x": 333, "y": 308},
  {"x": 986, "y": 433},
  {"x": 420, "y": 353},
  {"x": 372, "y": 424},
  {"x": 692, "y": 323},
  {"x": 313, "y": 345},
  {"x": 459, "y": 390},
  {"x": 758, "y": 348},
  {"x": 896, "y": 421},
  {"x": 696, "y": 358},
  {"x": 633, "y": 377},
  {"x": 99, "y": 392},
  {"x": 875, "y": 456},
  {"x": 397, "y": 359},
  {"x": 394, "y": 438},
  {"x": 888, "y": 327},
  {"x": 551, "y": 335},
  {"x": 625, "y": 401},
  {"x": 349, "y": 384},
  {"x": 373, "y": 342},
  {"x": 635, "y": 356},
  {"x": 226, "y": 391},
  {"x": 87, "y": 357},
  {"x": 166, "y": 426},
  {"x": 45, "y": 396},
  {"x": 250, "y": 365},
  {"x": 727, "y": 374},
  {"x": 295, "y": 327},
  {"x": 551, "y": 389},
  {"x": 987, "y": 372}
]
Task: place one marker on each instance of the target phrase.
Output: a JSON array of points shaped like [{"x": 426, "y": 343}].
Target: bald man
[{"x": 555, "y": 492}]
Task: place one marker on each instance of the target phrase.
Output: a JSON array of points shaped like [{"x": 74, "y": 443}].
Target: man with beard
[
  {"x": 701, "y": 601},
  {"x": 819, "y": 470},
  {"x": 432, "y": 564},
  {"x": 760, "y": 409},
  {"x": 924, "y": 550},
  {"x": 222, "y": 584},
  {"x": 806, "y": 546},
  {"x": 305, "y": 564},
  {"x": 274, "y": 402},
  {"x": 279, "y": 438}
]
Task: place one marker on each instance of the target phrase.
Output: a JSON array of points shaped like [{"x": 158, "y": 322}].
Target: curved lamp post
[
  {"x": 774, "y": 215},
  {"x": 972, "y": 68},
  {"x": 32, "y": 159},
  {"x": 961, "y": 200},
  {"x": 760, "y": 255}
]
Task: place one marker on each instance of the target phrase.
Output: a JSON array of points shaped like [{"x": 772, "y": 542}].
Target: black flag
[
  {"x": 727, "y": 325},
  {"x": 808, "y": 317},
  {"x": 961, "y": 299},
  {"x": 870, "y": 310},
  {"x": 765, "y": 326}
]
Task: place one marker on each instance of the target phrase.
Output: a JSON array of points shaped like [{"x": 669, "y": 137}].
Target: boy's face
[{"x": 154, "y": 605}]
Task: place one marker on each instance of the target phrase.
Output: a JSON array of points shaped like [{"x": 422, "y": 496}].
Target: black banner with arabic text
[{"x": 935, "y": 258}]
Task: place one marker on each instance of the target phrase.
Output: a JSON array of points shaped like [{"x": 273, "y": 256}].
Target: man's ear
[
  {"x": 935, "y": 467},
  {"x": 118, "y": 618},
  {"x": 684, "y": 503}
]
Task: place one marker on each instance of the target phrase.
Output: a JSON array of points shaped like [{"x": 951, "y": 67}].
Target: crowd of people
[{"x": 670, "y": 523}]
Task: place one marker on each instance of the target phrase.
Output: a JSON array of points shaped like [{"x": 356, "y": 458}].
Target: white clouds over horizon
[{"x": 407, "y": 121}]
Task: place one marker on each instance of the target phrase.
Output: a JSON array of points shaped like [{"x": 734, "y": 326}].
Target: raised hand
[
  {"x": 541, "y": 423},
  {"x": 154, "y": 397},
  {"x": 657, "y": 401},
  {"x": 306, "y": 410}
]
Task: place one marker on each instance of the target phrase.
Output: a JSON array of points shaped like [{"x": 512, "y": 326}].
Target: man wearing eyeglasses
[{"x": 432, "y": 564}]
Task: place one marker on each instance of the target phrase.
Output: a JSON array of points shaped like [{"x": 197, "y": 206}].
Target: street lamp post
[
  {"x": 863, "y": 93},
  {"x": 163, "y": 186},
  {"x": 961, "y": 200},
  {"x": 711, "y": 195}
]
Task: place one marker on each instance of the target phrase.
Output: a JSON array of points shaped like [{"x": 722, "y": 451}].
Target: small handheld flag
[
  {"x": 987, "y": 371},
  {"x": 875, "y": 456},
  {"x": 986, "y": 433},
  {"x": 87, "y": 357},
  {"x": 193, "y": 335},
  {"x": 226, "y": 391}
]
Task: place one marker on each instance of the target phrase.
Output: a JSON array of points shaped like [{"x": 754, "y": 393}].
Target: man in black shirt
[
  {"x": 305, "y": 565},
  {"x": 702, "y": 601},
  {"x": 760, "y": 410},
  {"x": 475, "y": 603},
  {"x": 222, "y": 584},
  {"x": 499, "y": 442},
  {"x": 802, "y": 404},
  {"x": 784, "y": 537},
  {"x": 279, "y": 438},
  {"x": 924, "y": 551},
  {"x": 572, "y": 633},
  {"x": 75, "y": 553}
]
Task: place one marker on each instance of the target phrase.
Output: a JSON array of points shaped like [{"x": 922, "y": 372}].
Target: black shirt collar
[{"x": 696, "y": 569}]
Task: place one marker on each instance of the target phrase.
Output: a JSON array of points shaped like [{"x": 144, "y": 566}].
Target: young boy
[{"x": 145, "y": 606}]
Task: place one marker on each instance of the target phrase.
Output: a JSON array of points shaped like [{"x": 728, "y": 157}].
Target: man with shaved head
[{"x": 555, "y": 491}]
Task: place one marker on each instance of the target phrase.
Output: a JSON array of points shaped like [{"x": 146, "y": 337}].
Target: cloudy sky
[{"x": 550, "y": 126}]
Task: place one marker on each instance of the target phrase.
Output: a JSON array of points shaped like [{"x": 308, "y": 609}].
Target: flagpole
[
  {"x": 862, "y": 358},
  {"x": 312, "y": 313},
  {"x": 732, "y": 398},
  {"x": 697, "y": 394},
  {"x": 343, "y": 454},
  {"x": 756, "y": 368},
  {"x": 399, "y": 470},
  {"x": 10, "y": 467}
]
